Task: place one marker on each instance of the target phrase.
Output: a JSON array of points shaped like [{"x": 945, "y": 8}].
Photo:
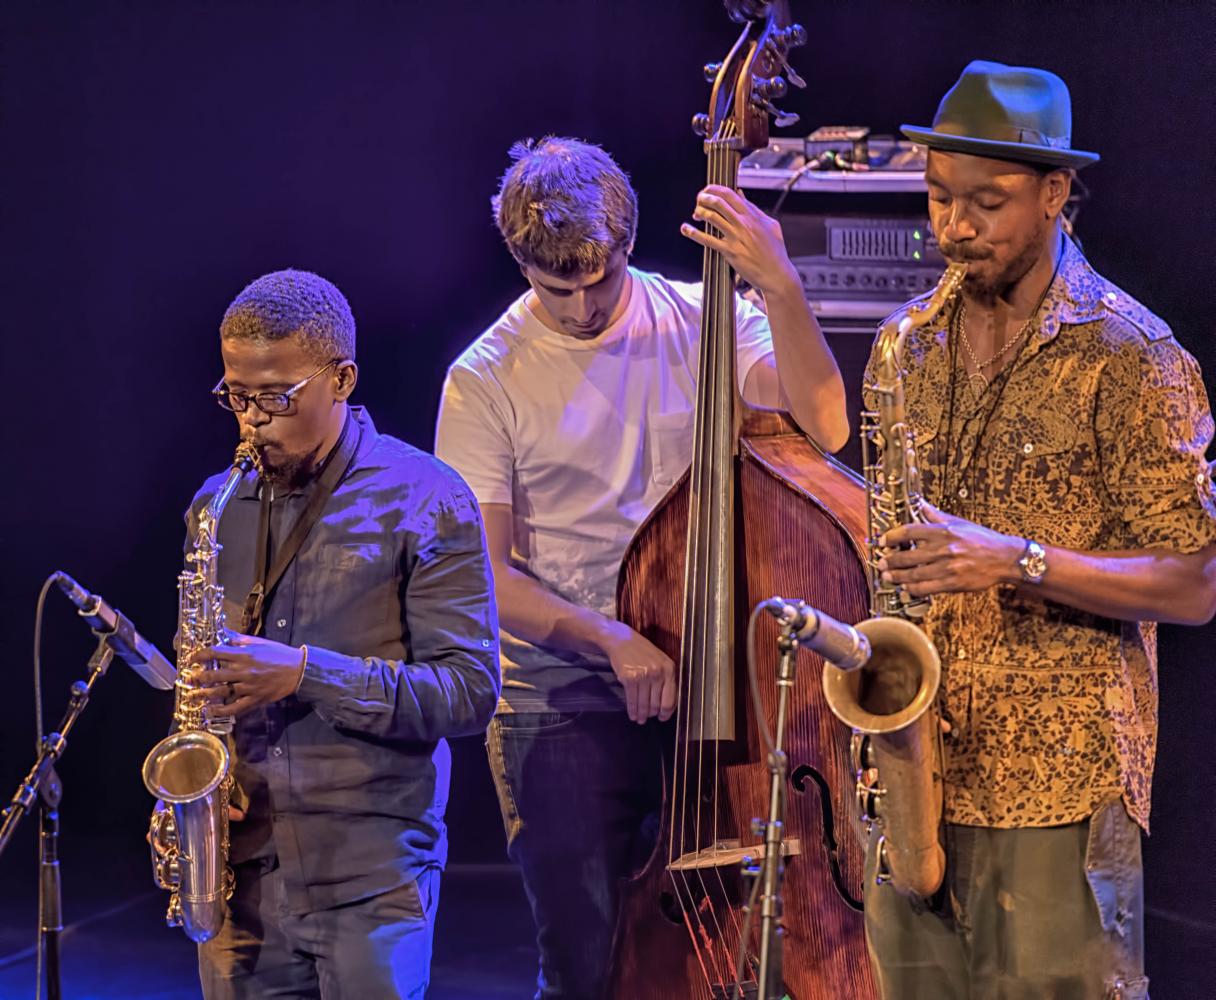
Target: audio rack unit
[
  {"x": 858, "y": 234},
  {"x": 860, "y": 238}
]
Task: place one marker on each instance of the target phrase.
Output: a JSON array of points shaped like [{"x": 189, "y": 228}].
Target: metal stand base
[{"x": 42, "y": 783}]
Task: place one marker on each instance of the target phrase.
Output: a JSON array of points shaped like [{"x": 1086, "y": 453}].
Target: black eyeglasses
[{"x": 268, "y": 402}]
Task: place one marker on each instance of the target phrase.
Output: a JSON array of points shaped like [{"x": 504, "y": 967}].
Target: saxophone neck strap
[{"x": 267, "y": 576}]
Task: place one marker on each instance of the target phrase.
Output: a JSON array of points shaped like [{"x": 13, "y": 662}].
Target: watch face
[{"x": 1033, "y": 563}]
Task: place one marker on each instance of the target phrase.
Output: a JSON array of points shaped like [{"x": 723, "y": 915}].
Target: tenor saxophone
[
  {"x": 190, "y": 771},
  {"x": 889, "y": 701}
]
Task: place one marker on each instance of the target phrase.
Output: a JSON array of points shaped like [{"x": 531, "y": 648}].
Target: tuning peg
[
  {"x": 794, "y": 36},
  {"x": 711, "y": 71},
  {"x": 773, "y": 87},
  {"x": 792, "y": 73},
  {"x": 790, "y": 38},
  {"x": 700, "y": 125},
  {"x": 782, "y": 119}
]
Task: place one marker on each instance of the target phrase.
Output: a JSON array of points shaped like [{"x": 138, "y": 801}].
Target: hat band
[{"x": 1003, "y": 133}]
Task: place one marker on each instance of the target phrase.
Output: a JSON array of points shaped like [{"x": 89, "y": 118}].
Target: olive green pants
[{"x": 1054, "y": 913}]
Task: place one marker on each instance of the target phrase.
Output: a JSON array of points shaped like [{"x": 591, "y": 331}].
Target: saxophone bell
[
  {"x": 881, "y": 678},
  {"x": 188, "y": 772},
  {"x": 889, "y": 705}
]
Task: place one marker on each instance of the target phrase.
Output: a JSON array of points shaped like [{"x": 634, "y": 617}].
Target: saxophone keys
[
  {"x": 861, "y": 752},
  {"x": 173, "y": 916},
  {"x": 869, "y": 800},
  {"x": 166, "y": 873},
  {"x": 882, "y": 870}
]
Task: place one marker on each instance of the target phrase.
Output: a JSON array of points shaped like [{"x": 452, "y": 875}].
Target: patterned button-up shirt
[
  {"x": 1095, "y": 441},
  {"x": 347, "y": 780}
]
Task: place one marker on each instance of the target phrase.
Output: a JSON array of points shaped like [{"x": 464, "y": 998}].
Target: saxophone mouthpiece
[
  {"x": 247, "y": 457},
  {"x": 956, "y": 272}
]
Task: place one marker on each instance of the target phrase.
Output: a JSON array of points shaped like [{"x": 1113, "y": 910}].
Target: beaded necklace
[{"x": 951, "y": 474}]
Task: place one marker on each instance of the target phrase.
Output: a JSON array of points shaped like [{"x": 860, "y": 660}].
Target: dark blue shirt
[{"x": 347, "y": 780}]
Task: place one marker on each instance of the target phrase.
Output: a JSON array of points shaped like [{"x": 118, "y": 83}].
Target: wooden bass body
[{"x": 800, "y": 527}]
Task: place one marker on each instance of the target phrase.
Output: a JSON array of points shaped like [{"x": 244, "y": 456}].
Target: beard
[
  {"x": 287, "y": 471},
  {"x": 989, "y": 288}
]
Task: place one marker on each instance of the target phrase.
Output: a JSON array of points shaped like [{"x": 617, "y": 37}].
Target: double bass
[{"x": 761, "y": 511}]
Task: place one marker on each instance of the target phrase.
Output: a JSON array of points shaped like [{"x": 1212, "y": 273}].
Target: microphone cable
[{"x": 38, "y": 616}]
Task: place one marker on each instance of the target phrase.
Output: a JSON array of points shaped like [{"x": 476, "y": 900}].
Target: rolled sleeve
[
  {"x": 450, "y": 684},
  {"x": 1153, "y": 427}
]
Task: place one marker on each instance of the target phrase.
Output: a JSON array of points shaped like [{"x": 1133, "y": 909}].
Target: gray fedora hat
[{"x": 1006, "y": 113}]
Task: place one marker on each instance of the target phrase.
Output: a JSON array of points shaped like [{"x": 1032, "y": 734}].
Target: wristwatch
[{"x": 1033, "y": 563}]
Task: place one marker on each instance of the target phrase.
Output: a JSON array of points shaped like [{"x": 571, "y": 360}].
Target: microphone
[
  {"x": 116, "y": 628},
  {"x": 840, "y": 644}
]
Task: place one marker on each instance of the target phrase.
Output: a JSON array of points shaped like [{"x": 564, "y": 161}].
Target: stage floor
[{"x": 116, "y": 946}]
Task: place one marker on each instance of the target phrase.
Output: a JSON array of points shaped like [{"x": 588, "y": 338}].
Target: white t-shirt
[{"x": 582, "y": 438}]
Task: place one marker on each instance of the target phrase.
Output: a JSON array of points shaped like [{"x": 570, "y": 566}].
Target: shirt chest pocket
[
  {"x": 669, "y": 438},
  {"x": 354, "y": 582},
  {"x": 1036, "y": 461}
]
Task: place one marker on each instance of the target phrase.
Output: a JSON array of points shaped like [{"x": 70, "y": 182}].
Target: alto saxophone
[
  {"x": 190, "y": 771},
  {"x": 889, "y": 701}
]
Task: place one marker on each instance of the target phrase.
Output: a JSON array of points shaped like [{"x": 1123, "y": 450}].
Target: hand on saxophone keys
[
  {"x": 249, "y": 672},
  {"x": 948, "y": 554}
]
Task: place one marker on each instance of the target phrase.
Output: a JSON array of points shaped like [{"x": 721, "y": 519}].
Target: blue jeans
[
  {"x": 1030, "y": 913},
  {"x": 376, "y": 947},
  {"x": 580, "y": 794}
]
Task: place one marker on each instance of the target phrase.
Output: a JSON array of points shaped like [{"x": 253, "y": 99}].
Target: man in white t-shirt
[{"x": 570, "y": 418}]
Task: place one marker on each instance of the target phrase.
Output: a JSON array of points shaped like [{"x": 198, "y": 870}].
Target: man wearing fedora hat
[{"x": 1060, "y": 432}]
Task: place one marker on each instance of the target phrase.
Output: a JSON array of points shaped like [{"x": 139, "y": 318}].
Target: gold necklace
[{"x": 979, "y": 382}]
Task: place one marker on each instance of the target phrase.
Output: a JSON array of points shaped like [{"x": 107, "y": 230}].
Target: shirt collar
[{"x": 1075, "y": 295}]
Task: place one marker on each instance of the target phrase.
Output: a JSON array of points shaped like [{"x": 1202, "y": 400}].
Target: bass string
[
  {"x": 693, "y": 630},
  {"x": 718, "y": 389},
  {"x": 709, "y": 929},
  {"x": 720, "y": 397},
  {"x": 712, "y": 348},
  {"x": 722, "y": 330},
  {"x": 727, "y": 177}
]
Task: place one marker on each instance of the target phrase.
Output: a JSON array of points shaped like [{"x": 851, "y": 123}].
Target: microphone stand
[
  {"x": 770, "y": 985},
  {"x": 43, "y": 783}
]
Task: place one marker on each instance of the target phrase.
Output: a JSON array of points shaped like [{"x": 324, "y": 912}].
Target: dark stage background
[{"x": 157, "y": 156}]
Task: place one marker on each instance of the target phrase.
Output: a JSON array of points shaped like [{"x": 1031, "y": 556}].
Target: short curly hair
[
  {"x": 564, "y": 206},
  {"x": 293, "y": 303}
]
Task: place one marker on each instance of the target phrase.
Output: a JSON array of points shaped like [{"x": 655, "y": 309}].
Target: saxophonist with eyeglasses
[
  {"x": 358, "y": 589},
  {"x": 1060, "y": 433}
]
